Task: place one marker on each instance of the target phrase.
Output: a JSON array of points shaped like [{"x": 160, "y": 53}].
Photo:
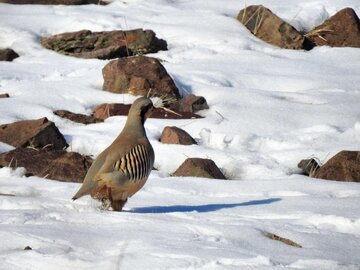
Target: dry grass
[
  {"x": 163, "y": 102},
  {"x": 313, "y": 166},
  {"x": 259, "y": 13},
  {"x": 318, "y": 33}
]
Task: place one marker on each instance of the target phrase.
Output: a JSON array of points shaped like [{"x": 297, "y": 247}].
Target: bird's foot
[{"x": 105, "y": 204}]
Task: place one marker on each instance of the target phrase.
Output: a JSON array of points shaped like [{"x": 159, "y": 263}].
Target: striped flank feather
[{"x": 135, "y": 164}]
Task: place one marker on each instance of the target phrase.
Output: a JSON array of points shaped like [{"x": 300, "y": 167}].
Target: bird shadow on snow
[{"x": 199, "y": 208}]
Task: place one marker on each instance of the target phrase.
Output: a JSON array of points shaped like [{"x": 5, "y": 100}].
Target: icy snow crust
[{"x": 269, "y": 108}]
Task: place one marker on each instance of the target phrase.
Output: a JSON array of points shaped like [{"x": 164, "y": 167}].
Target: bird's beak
[{"x": 149, "y": 112}]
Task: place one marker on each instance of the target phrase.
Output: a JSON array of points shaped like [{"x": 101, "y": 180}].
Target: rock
[
  {"x": 282, "y": 239},
  {"x": 52, "y": 2},
  {"x": 309, "y": 167},
  {"x": 6, "y": 95},
  {"x": 77, "y": 117},
  {"x": 190, "y": 103},
  {"x": 270, "y": 28},
  {"x": 163, "y": 113},
  {"x": 340, "y": 30},
  {"x": 40, "y": 133},
  {"x": 140, "y": 76},
  {"x": 57, "y": 164},
  {"x": 344, "y": 166},
  {"x": 27, "y": 248},
  {"x": 106, "y": 110},
  {"x": 105, "y": 45},
  {"x": 175, "y": 135},
  {"x": 8, "y": 55},
  {"x": 198, "y": 167}
]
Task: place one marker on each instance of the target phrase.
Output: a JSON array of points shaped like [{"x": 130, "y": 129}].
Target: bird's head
[{"x": 142, "y": 107}]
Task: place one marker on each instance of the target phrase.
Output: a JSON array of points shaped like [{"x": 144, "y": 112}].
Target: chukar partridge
[{"x": 123, "y": 168}]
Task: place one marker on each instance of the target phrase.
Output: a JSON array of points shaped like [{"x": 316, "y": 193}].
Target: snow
[{"x": 269, "y": 108}]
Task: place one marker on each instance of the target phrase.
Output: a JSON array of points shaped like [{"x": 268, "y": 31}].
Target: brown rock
[
  {"x": 190, "y": 103},
  {"x": 51, "y": 2},
  {"x": 340, "y": 30},
  {"x": 106, "y": 110},
  {"x": 6, "y": 95},
  {"x": 175, "y": 135},
  {"x": 105, "y": 45},
  {"x": 309, "y": 167},
  {"x": 141, "y": 76},
  {"x": 163, "y": 113},
  {"x": 270, "y": 28},
  {"x": 58, "y": 164},
  {"x": 199, "y": 167},
  {"x": 8, "y": 55},
  {"x": 282, "y": 239},
  {"x": 40, "y": 133},
  {"x": 344, "y": 166},
  {"x": 77, "y": 117}
]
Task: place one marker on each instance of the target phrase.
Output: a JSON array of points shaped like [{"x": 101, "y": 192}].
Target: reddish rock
[
  {"x": 140, "y": 76},
  {"x": 8, "y": 55},
  {"x": 190, "y": 103},
  {"x": 106, "y": 110},
  {"x": 344, "y": 166},
  {"x": 58, "y": 164},
  {"x": 77, "y": 117},
  {"x": 105, "y": 45},
  {"x": 163, "y": 113},
  {"x": 198, "y": 167},
  {"x": 270, "y": 28},
  {"x": 175, "y": 135},
  {"x": 6, "y": 95},
  {"x": 40, "y": 133},
  {"x": 340, "y": 30}
]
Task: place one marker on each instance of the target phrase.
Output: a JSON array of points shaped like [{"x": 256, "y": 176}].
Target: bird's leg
[
  {"x": 109, "y": 194},
  {"x": 107, "y": 199}
]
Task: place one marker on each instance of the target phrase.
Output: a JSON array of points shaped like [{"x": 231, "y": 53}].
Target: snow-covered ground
[{"x": 269, "y": 108}]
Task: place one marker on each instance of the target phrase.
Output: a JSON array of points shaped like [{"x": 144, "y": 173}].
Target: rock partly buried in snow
[
  {"x": 344, "y": 166},
  {"x": 163, "y": 113},
  {"x": 40, "y": 133},
  {"x": 286, "y": 241},
  {"x": 77, "y": 117},
  {"x": 190, "y": 103},
  {"x": 51, "y": 2},
  {"x": 140, "y": 76},
  {"x": 58, "y": 164},
  {"x": 309, "y": 167},
  {"x": 105, "y": 45},
  {"x": 106, "y": 110},
  {"x": 340, "y": 30},
  {"x": 199, "y": 167},
  {"x": 5, "y": 95},
  {"x": 8, "y": 55},
  {"x": 175, "y": 135},
  {"x": 270, "y": 28}
]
